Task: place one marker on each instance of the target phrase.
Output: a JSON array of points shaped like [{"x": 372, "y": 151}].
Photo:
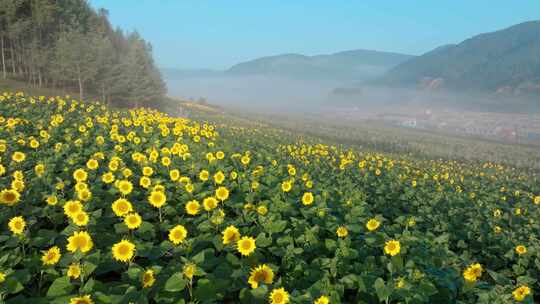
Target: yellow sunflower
[
  {"x": 121, "y": 207},
  {"x": 80, "y": 175},
  {"x": 148, "y": 278},
  {"x": 230, "y": 235},
  {"x": 222, "y": 193},
  {"x": 157, "y": 199},
  {"x": 71, "y": 208},
  {"x": 9, "y": 197},
  {"x": 279, "y": 296},
  {"x": 16, "y": 225},
  {"x": 342, "y": 232},
  {"x": 51, "y": 256},
  {"x": 307, "y": 198},
  {"x": 192, "y": 207},
  {"x": 133, "y": 220},
  {"x": 521, "y": 293},
  {"x": 210, "y": 203},
  {"x": 261, "y": 273},
  {"x": 372, "y": 224},
  {"x": 520, "y": 249},
  {"x": 123, "y": 251},
  {"x": 177, "y": 234},
  {"x": 246, "y": 245},
  {"x": 125, "y": 187},
  {"x": 392, "y": 247},
  {"x": 80, "y": 240},
  {"x": 74, "y": 271},
  {"x": 81, "y": 218},
  {"x": 322, "y": 300},
  {"x": 81, "y": 300}
]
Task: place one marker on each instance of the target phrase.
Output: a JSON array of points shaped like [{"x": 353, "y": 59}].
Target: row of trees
[{"x": 67, "y": 44}]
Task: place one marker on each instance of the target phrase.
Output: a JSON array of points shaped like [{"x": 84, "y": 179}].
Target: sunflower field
[{"x": 134, "y": 206}]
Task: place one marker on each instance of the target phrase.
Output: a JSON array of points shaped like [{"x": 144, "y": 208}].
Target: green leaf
[
  {"x": 59, "y": 287},
  {"x": 176, "y": 282}
]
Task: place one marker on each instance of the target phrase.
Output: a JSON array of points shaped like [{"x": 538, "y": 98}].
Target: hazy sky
[{"x": 219, "y": 33}]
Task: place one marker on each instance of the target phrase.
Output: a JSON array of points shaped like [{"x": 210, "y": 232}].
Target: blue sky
[{"x": 218, "y": 33}]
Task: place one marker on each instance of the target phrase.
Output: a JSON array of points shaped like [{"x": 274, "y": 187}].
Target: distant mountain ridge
[
  {"x": 504, "y": 61},
  {"x": 353, "y": 65}
]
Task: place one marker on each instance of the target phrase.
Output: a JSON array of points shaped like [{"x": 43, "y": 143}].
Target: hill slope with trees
[{"x": 66, "y": 44}]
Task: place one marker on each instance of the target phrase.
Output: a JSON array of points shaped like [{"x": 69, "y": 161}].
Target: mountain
[
  {"x": 354, "y": 65},
  {"x": 505, "y": 61}
]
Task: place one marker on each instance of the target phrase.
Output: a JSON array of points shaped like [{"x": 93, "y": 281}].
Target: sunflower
[
  {"x": 174, "y": 175},
  {"x": 222, "y": 193},
  {"x": 520, "y": 249},
  {"x": 245, "y": 160},
  {"x": 108, "y": 177},
  {"x": 537, "y": 200},
  {"x": 74, "y": 271},
  {"x": 189, "y": 270},
  {"x": 157, "y": 199},
  {"x": 392, "y": 247},
  {"x": 51, "y": 200},
  {"x": 92, "y": 164},
  {"x": 39, "y": 169},
  {"x": 473, "y": 272},
  {"x": 177, "y": 234},
  {"x": 123, "y": 251},
  {"x": 230, "y": 235},
  {"x": 51, "y": 256},
  {"x": 148, "y": 171},
  {"x": 372, "y": 224},
  {"x": 125, "y": 187},
  {"x": 203, "y": 175},
  {"x": 192, "y": 207},
  {"x": 262, "y": 210},
  {"x": 148, "y": 278},
  {"x": 322, "y": 300},
  {"x": 80, "y": 240},
  {"x": 286, "y": 186},
  {"x": 261, "y": 273},
  {"x": 342, "y": 232},
  {"x": 145, "y": 182},
  {"x": 307, "y": 198},
  {"x": 9, "y": 197},
  {"x": 2, "y": 277},
  {"x": 219, "y": 177},
  {"x": 81, "y": 300},
  {"x": 521, "y": 293},
  {"x": 17, "y": 224},
  {"x": 246, "y": 245},
  {"x": 279, "y": 296},
  {"x": 81, "y": 218},
  {"x": 133, "y": 220},
  {"x": 210, "y": 203},
  {"x": 18, "y": 157},
  {"x": 80, "y": 175},
  {"x": 71, "y": 208},
  {"x": 121, "y": 207}
]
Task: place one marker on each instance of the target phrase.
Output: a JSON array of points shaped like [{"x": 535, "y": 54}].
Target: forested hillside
[{"x": 66, "y": 44}]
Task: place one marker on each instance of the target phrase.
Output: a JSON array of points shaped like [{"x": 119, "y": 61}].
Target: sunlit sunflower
[
  {"x": 210, "y": 203},
  {"x": 51, "y": 256},
  {"x": 18, "y": 157},
  {"x": 279, "y": 296},
  {"x": 192, "y": 207},
  {"x": 9, "y": 197},
  {"x": 307, "y": 198},
  {"x": 342, "y": 232},
  {"x": 81, "y": 218},
  {"x": 521, "y": 293},
  {"x": 520, "y": 249},
  {"x": 157, "y": 199},
  {"x": 230, "y": 235},
  {"x": 286, "y": 186},
  {"x": 121, "y": 207},
  {"x": 123, "y": 251},
  {"x": 133, "y": 220},
  {"x": 177, "y": 234},
  {"x": 372, "y": 224},
  {"x": 222, "y": 193},
  {"x": 246, "y": 245},
  {"x": 16, "y": 225},
  {"x": 261, "y": 274},
  {"x": 71, "y": 208},
  {"x": 125, "y": 187},
  {"x": 80, "y": 175},
  {"x": 473, "y": 272},
  {"x": 148, "y": 278},
  {"x": 74, "y": 271},
  {"x": 81, "y": 300},
  {"x": 322, "y": 300},
  {"x": 189, "y": 270},
  {"x": 80, "y": 240},
  {"x": 392, "y": 247}
]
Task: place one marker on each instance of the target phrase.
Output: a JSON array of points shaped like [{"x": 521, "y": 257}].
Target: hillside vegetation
[
  {"x": 115, "y": 206},
  {"x": 69, "y": 46},
  {"x": 353, "y": 65},
  {"x": 505, "y": 61}
]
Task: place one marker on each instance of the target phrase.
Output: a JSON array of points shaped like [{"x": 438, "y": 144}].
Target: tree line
[{"x": 66, "y": 44}]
